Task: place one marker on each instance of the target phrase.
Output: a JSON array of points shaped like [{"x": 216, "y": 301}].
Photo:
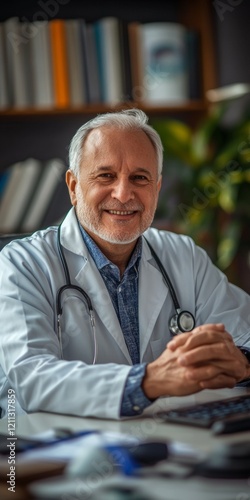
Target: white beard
[{"x": 91, "y": 219}]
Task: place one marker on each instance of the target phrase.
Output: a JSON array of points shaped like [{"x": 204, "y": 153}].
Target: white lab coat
[{"x": 30, "y": 275}]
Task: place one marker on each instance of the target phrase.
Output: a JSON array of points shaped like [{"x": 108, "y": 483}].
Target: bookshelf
[
  {"x": 194, "y": 14},
  {"x": 45, "y": 133}
]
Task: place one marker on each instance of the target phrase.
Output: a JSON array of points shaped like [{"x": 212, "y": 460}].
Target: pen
[{"x": 230, "y": 426}]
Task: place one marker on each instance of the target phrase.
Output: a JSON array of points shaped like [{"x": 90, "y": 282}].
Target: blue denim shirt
[{"x": 124, "y": 296}]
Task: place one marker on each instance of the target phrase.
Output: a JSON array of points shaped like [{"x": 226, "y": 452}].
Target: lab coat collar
[{"x": 71, "y": 238}]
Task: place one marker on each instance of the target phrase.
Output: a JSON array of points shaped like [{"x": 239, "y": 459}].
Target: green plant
[{"x": 206, "y": 183}]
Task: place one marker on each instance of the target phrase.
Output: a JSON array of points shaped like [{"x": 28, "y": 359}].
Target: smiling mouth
[{"x": 121, "y": 212}]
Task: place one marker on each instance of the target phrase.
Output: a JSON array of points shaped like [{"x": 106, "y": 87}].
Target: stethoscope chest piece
[{"x": 181, "y": 322}]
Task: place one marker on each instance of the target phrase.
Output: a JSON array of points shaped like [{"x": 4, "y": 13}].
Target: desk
[{"x": 146, "y": 427}]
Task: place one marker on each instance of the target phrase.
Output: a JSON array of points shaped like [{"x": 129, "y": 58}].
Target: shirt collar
[{"x": 101, "y": 260}]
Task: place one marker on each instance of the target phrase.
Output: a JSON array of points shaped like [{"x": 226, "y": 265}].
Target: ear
[
  {"x": 71, "y": 181},
  {"x": 159, "y": 183}
]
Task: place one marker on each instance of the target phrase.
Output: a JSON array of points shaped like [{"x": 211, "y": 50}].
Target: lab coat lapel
[
  {"x": 152, "y": 295},
  {"x": 89, "y": 278}
]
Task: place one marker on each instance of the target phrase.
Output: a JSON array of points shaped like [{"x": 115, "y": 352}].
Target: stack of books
[{"x": 33, "y": 195}]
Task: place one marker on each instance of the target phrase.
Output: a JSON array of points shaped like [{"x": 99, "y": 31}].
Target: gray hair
[{"x": 125, "y": 119}]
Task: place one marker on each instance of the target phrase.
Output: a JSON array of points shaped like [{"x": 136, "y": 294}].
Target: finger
[
  {"x": 222, "y": 360},
  {"x": 204, "y": 330},
  {"x": 214, "y": 351},
  {"x": 207, "y": 338},
  {"x": 178, "y": 341},
  {"x": 207, "y": 372},
  {"x": 220, "y": 327},
  {"x": 219, "y": 382}
]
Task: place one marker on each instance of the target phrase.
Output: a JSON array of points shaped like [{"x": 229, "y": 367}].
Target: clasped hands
[{"x": 205, "y": 358}]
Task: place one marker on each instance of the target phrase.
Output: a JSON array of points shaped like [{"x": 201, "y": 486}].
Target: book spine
[
  {"x": 110, "y": 52},
  {"x": 4, "y": 98},
  {"x": 41, "y": 66},
  {"x": 76, "y": 61},
  {"x": 136, "y": 67},
  {"x": 60, "y": 69},
  {"x": 18, "y": 60}
]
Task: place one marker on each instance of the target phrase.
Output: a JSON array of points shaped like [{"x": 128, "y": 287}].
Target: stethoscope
[{"x": 180, "y": 322}]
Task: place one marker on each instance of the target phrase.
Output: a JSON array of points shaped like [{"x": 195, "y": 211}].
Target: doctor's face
[{"x": 116, "y": 192}]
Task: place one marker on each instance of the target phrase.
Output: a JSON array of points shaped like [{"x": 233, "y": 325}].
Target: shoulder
[
  {"x": 165, "y": 241},
  {"x": 41, "y": 237},
  {"x": 178, "y": 251},
  {"x": 30, "y": 250}
]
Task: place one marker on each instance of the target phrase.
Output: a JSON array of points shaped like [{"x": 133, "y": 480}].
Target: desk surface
[{"x": 145, "y": 427}]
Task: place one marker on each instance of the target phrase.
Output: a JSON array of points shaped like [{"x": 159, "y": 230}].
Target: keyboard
[{"x": 207, "y": 414}]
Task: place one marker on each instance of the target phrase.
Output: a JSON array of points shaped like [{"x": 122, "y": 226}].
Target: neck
[{"x": 118, "y": 254}]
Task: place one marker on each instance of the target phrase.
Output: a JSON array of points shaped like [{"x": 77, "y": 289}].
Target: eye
[
  {"x": 140, "y": 178},
  {"x": 106, "y": 176}
]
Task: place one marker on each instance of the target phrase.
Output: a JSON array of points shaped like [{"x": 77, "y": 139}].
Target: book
[
  {"x": 41, "y": 66},
  {"x": 4, "y": 176},
  {"x": 93, "y": 80},
  {"x": 4, "y": 98},
  {"x": 52, "y": 173},
  {"x": 134, "y": 47},
  {"x": 59, "y": 205},
  {"x": 109, "y": 59},
  {"x": 76, "y": 61},
  {"x": 14, "y": 176},
  {"x": 21, "y": 182},
  {"x": 125, "y": 61},
  {"x": 60, "y": 67},
  {"x": 164, "y": 64},
  {"x": 18, "y": 63}
]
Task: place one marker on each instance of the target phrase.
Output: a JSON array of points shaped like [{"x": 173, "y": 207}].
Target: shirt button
[
  {"x": 136, "y": 408},
  {"x": 119, "y": 289}
]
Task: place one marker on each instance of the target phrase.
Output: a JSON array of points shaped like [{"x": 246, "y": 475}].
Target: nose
[{"x": 122, "y": 190}]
